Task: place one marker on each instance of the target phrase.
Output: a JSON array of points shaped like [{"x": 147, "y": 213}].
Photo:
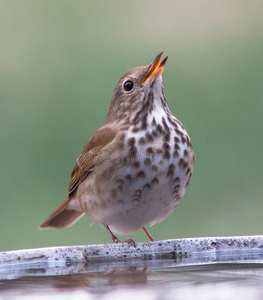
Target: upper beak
[{"x": 156, "y": 68}]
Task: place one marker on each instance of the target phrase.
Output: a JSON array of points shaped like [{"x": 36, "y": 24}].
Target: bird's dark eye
[{"x": 128, "y": 86}]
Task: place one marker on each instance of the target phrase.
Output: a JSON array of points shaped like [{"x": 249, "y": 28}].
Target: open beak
[{"x": 156, "y": 68}]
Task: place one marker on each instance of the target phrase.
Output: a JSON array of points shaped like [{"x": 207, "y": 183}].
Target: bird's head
[{"x": 135, "y": 89}]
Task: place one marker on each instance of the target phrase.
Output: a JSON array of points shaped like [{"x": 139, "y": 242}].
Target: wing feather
[{"x": 87, "y": 158}]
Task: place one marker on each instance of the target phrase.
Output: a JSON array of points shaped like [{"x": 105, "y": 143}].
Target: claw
[
  {"x": 130, "y": 241},
  {"x": 115, "y": 240}
]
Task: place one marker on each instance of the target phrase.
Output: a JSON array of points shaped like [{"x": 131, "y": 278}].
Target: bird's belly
[
  {"x": 136, "y": 195},
  {"x": 153, "y": 194}
]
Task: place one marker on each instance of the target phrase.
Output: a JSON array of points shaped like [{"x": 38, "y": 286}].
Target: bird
[{"x": 134, "y": 170}]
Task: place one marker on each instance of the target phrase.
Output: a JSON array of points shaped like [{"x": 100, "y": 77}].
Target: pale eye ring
[{"x": 128, "y": 86}]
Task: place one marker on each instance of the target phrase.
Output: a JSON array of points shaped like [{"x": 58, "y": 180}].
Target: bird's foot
[
  {"x": 115, "y": 240},
  {"x": 129, "y": 241}
]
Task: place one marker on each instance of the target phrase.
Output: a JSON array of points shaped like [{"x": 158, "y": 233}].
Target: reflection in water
[
  {"x": 100, "y": 282},
  {"x": 164, "y": 280}
]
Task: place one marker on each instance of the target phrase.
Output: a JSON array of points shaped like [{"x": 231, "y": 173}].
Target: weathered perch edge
[{"x": 184, "y": 251}]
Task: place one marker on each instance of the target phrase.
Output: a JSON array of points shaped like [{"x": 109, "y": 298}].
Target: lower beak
[{"x": 156, "y": 68}]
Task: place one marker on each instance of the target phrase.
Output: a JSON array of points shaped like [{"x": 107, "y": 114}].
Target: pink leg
[
  {"x": 148, "y": 234},
  {"x": 115, "y": 240}
]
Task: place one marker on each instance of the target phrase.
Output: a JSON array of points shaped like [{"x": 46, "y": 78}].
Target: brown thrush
[{"x": 135, "y": 169}]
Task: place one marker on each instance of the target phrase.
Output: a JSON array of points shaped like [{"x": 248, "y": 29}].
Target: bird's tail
[{"x": 65, "y": 215}]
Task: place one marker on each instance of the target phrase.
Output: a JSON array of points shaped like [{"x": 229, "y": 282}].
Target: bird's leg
[
  {"x": 148, "y": 234},
  {"x": 115, "y": 240}
]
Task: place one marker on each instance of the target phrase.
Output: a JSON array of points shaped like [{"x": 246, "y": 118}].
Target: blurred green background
[{"x": 59, "y": 63}]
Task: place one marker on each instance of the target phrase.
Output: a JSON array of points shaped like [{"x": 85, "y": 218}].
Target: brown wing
[
  {"x": 87, "y": 158},
  {"x": 70, "y": 211}
]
